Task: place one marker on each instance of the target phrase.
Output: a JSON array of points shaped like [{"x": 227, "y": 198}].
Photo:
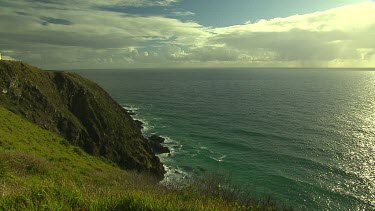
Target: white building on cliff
[{"x": 6, "y": 58}]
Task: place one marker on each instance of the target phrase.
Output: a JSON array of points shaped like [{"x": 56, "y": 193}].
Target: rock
[
  {"x": 131, "y": 113},
  {"x": 156, "y": 138},
  {"x": 160, "y": 149},
  {"x": 155, "y": 142},
  {"x": 139, "y": 124}
]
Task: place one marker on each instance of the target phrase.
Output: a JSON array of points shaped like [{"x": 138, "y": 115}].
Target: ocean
[{"x": 305, "y": 137}]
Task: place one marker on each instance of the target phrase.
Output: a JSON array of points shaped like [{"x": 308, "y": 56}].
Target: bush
[
  {"x": 78, "y": 150},
  {"x": 64, "y": 143}
]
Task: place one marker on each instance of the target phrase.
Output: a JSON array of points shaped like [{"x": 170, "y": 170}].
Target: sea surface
[{"x": 305, "y": 137}]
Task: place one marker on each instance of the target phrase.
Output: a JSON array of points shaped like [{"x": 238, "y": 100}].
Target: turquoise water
[{"x": 305, "y": 137}]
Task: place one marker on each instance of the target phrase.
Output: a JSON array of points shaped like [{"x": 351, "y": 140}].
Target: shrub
[
  {"x": 78, "y": 150},
  {"x": 64, "y": 142}
]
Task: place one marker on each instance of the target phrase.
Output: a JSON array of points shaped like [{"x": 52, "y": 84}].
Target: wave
[
  {"x": 130, "y": 107},
  {"x": 203, "y": 147},
  {"x": 146, "y": 126},
  {"x": 174, "y": 177},
  {"x": 219, "y": 159},
  {"x": 174, "y": 174},
  {"x": 174, "y": 146}
]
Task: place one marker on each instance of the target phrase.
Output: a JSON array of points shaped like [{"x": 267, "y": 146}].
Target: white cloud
[
  {"x": 337, "y": 37},
  {"x": 80, "y": 35},
  {"x": 183, "y": 13},
  {"x": 90, "y": 3},
  {"x": 89, "y": 32},
  {"x": 346, "y": 18}
]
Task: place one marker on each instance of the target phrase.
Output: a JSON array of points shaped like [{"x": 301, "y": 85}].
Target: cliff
[
  {"x": 79, "y": 111},
  {"x": 41, "y": 171}
]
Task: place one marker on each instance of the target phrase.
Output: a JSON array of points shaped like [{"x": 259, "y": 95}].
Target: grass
[
  {"x": 78, "y": 110},
  {"x": 41, "y": 171}
]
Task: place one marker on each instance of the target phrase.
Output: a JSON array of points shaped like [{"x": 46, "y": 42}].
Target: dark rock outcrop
[
  {"x": 139, "y": 124},
  {"x": 156, "y": 138},
  {"x": 156, "y": 142},
  {"x": 78, "y": 110}
]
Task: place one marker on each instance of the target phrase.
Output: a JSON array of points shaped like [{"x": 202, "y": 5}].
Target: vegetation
[
  {"x": 78, "y": 110},
  {"x": 49, "y": 124},
  {"x": 42, "y": 171}
]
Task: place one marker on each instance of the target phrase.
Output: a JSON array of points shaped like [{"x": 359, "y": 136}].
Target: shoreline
[
  {"x": 173, "y": 173},
  {"x": 157, "y": 145}
]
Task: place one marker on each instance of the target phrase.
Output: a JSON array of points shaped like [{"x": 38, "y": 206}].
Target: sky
[{"x": 100, "y": 34}]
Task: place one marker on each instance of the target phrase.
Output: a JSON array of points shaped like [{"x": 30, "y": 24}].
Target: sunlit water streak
[{"x": 305, "y": 137}]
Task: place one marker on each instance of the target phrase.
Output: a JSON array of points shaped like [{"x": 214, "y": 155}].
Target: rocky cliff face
[{"x": 78, "y": 110}]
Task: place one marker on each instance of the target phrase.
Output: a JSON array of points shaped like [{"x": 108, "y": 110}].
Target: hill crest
[{"x": 78, "y": 110}]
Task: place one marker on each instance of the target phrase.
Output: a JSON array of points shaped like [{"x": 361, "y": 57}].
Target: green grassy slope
[
  {"x": 42, "y": 171},
  {"x": 78, "y": 110}
]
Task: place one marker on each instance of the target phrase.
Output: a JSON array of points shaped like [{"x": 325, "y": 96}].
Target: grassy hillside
[
  {"x": 78, "y": 110},
  {"x": 42, "y": 171}
]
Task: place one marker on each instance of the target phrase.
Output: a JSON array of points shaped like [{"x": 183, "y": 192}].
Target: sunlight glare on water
[
  {"x": 358, "y": 147},
  {"x": 305, "y": 137}
]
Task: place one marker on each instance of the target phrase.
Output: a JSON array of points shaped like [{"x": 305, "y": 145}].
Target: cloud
[
  {"x": 48, "y": 33},
  {"x": 49, "y": 20},
  {"x": 335, "y": 37},
  {"x": 81, "y": 34},
  {"x": 94, "y": 23},
  {"x": 183, "y": 13},
  {"x": 80, "y": 3}
]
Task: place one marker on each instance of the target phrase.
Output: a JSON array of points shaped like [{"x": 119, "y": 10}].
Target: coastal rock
[
  {"x": 131, "y": 113},
  {"x": 155, "y": 142},
  {"x": 156, "y": 138},
  {"x": 138, "y": 124}
]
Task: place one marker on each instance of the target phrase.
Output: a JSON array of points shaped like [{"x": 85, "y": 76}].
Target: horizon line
[{"x": 195, "y": 68}]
